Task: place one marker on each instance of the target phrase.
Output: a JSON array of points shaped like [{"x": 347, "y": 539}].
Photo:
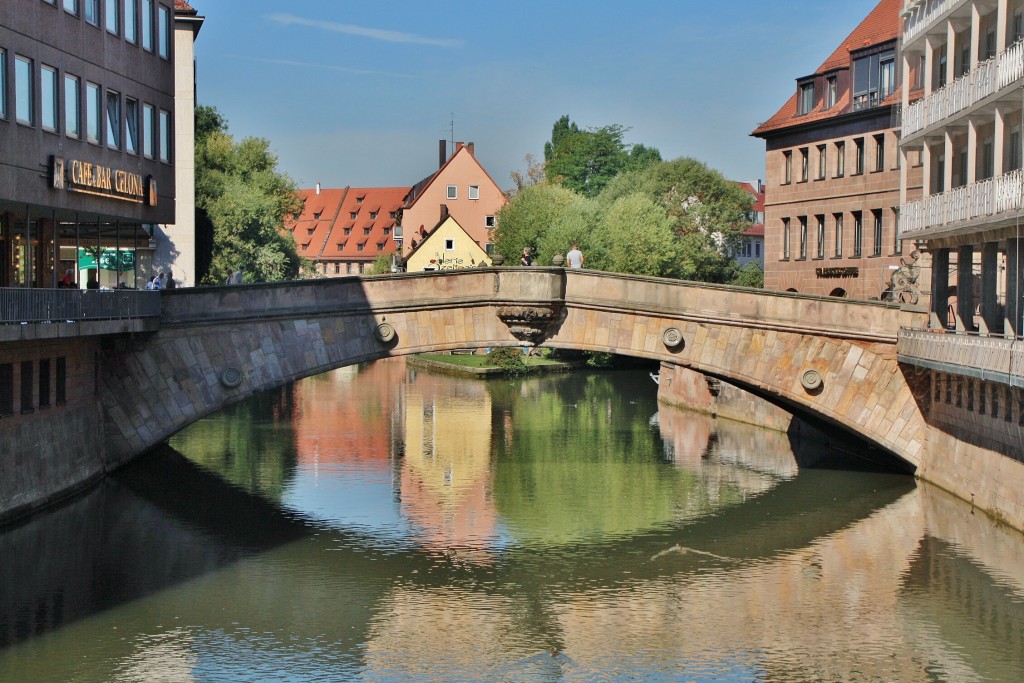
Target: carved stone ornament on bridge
[
  {"x": 903, "y": 283},
  {"x": 231, "y": 377},
  {"x": 811, "y": 380},
  {"x": 672, "y": 337},
  {"x": 529, "y": 324},
  {"x": 384, "y": 332}
]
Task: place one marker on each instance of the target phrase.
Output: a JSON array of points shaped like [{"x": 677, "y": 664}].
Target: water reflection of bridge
[{"x": 796, "y": 571}]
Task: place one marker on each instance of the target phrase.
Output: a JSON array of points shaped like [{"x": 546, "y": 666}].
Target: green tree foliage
[
  {"x": 750, "y": 275},
  {"x": 526, "y": 220},
  {"x": 585, "y": 160},
  {"x": 244, "y": 198},
  {"x": 638, "y": 236}
]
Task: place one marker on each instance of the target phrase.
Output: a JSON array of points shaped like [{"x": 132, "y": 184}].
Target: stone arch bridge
[{"x": 833, "y": 358}]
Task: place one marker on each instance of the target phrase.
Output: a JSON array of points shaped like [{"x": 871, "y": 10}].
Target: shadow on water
[{"x": 166, "y": 519}]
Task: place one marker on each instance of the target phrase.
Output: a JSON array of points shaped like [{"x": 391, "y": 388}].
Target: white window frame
[
  {"x": 112, "y": 16},
  {"x": 163, "y": 38},
  {"x": 3, "y": 83},
  {"x": 489, "y": 221},
  {"x": 72, "y": 106},
  {"x": 131, "y": 21},
  {"x": 20, "y": 101},
  {"x": 112, "y": 118},
  {"x": 94, "y": 111},
  {"x": 474, "y": 192},
  {"x": 148, "y": 131},
  {"x": 166, "y": 141},
  {"x": 449, "y": 245},
  {"x": 49, "y": 112},
  {"x": 453, "y": 192}
]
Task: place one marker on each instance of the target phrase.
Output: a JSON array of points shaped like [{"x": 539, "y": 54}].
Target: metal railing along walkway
[{"x": 20, "y": 305}]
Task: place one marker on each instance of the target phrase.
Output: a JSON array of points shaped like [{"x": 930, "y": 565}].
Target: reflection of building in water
[
  {"x": 724, "y": 453},
  {"x": 820, "y": 612},
  {"x": 357, "y": 428},
  {"x": 446, "y": 472}
]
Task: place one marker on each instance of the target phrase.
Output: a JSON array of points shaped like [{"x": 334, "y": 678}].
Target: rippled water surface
[{"x": 383, "y": 523}]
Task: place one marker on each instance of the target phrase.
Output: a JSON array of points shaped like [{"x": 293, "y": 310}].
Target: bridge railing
[
  {"x": 20, "y": 305},
  {"x": 995, "y": 359}
]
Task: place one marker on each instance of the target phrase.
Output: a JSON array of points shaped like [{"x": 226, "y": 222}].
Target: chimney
[
  {"x": 470, "y": 146},
  {"x": 442, "y": 152},
  {"x": 444, "y": 211},
  {"x": 458, "y": 146},
  {"x": 318, "y": 188}
]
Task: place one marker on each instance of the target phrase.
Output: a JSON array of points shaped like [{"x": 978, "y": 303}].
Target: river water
[{"x": 383, "y": 523}]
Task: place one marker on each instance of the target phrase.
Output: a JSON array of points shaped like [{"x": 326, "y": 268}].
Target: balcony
[
  {"x": 919, "y": 14},
  {"x": 992, "y": 76},
  {"x": 983, "y": 201},
  {"x": 51, "y": 313},
  {"x": 993, "y": 359}
]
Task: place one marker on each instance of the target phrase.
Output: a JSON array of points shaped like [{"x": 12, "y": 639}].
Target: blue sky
[{"x": 359, "y": 93}]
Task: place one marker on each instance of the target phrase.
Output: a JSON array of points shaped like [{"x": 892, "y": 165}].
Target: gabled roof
[
  {"x": 373, "y": 213},
  {"x": 420, "y": 188},
  {"x": 882, "y": 25}
]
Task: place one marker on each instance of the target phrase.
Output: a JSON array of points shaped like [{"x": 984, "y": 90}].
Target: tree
[
  {"x": 750, "y": 275},
  {"x": 585, "y": 160},
  {"x": 242, "y": 196},
  {"x": 639, "y": 238},
  {"x": 530, "y": 216}
]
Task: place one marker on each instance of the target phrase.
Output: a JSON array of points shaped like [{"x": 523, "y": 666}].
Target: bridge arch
[{"x": 833, "y": 358}]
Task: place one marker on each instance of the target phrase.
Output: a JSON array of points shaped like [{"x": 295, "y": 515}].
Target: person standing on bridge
[
  {"x": 527, "y": 258},
  {"x": 575, "y": 257}
]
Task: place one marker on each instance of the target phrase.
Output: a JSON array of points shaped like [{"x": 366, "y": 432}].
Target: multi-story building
[
  {"x": 176, "y": 244},
  {"x": 833, "y": 171},
  {"x": 86, "y": 128},
  {"x": 343, "y": 231},
  {"x": 460, "y": 188},
  {"x": 966, "y": 132},
  {"x": 751, "y": 249}
]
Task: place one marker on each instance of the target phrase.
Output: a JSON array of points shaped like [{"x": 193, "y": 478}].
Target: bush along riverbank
[{"x": 511, "y": 361}]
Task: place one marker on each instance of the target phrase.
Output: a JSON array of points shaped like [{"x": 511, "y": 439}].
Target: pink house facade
[{"x": 460, "y": 188}]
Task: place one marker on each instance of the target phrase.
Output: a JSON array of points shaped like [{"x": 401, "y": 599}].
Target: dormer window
[
  {"x": 831, "y": 92},
  {"x": 316, "y": 216},
  {"x": 874, "y": 79},
  {"x": 353, "y": 214},
  {"x": 373, "y": 215},
  {"x": 805, "y": 99}
]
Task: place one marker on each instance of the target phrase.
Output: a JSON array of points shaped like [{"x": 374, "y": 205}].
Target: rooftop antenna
[{"x": 452, "y": 124}]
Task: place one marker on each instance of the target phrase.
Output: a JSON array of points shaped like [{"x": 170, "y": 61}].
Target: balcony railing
[
  {"x": 919, "y": 13},
  {"x": 995, "y": 359},
  {"x": 984, "y": 199},
  {"x": 988, "y": 78},
  {"x": 19, "y": 305}
]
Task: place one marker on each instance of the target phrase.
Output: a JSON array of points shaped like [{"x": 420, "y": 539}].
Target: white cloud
[
  {"x": 330, "y": 67},
  {"x": 364, "y": 32}
]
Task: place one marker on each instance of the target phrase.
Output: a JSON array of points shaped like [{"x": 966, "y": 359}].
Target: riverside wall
[{"x": 51, "y": 441}]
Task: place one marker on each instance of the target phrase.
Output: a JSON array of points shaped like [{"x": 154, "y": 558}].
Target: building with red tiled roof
[
  {"x": 343, "y": 231},
  {"x": 833, "y": 169},
  {"x": 460, "y": 188},
  {"x": 751, "y": 250}
]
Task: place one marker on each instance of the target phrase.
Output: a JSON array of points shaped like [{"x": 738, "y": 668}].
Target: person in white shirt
[{"x": 575, "y": 257}]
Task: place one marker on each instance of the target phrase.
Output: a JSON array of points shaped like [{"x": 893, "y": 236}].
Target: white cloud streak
[
  {"x": 363, "y": 32},
  {"x": 330, "y": 67}
]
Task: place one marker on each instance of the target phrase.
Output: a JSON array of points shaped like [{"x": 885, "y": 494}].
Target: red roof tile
[
  {"x": 335, "y": 207},
  {"x": 883, "y": 24}
]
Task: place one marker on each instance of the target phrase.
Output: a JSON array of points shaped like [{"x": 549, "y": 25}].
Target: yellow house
[{"x": 447, "y": 247}]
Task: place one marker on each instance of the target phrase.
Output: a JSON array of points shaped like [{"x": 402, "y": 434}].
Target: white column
[
  {"x": 975, "y": 36},
  {"x": 926, "y": 170},
  {"x": 950, "y": 51},
  {"x": 947, "y": 170},
  {"x": 972, "y": 151},
  {"x": 999, "y": 138},
  {"x": 929, "y": 64},
  {"x": 1001, "y": 26}
]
